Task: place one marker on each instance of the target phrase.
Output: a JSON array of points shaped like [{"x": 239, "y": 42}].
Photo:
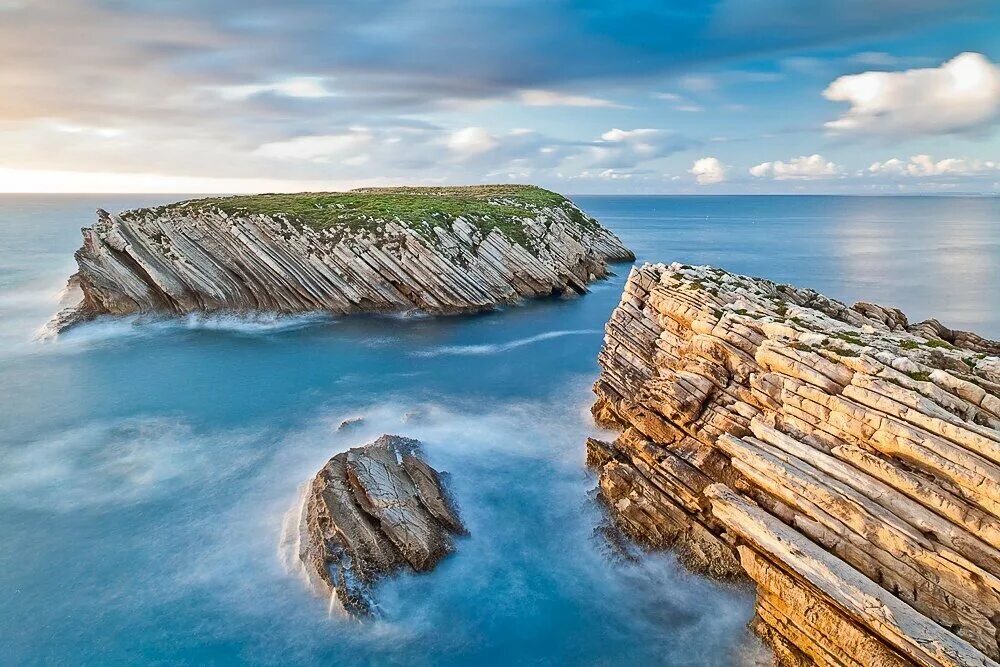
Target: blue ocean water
[{"x": 146, "y": 467}]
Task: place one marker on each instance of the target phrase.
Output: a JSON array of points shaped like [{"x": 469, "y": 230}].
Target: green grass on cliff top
[{"x": 485, "y": 206}]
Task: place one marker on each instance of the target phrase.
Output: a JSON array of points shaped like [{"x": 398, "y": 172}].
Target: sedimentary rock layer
[
  {"x": 844, "y": 460},
  {"x": 440, "y": 250},
  {"x": 371, "y": 511}
]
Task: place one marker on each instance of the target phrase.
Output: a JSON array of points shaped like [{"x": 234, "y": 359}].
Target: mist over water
[{"x": 146, "y": 465}]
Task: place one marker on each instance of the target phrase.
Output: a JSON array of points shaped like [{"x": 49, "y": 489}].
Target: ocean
[{"x": 147, "y": 466}]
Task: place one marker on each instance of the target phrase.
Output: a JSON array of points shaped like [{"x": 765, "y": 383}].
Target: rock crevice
[{"x": 843, "y": 459}]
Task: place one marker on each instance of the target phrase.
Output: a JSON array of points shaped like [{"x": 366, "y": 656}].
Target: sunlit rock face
[
  {"x": 844, "y": 460},
  {"x": 369, "y": 512},
  {"x": 437, "y": 250}
]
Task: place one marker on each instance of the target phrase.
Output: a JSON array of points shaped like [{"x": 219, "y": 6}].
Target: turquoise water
[{"x": 146, "y": 467}]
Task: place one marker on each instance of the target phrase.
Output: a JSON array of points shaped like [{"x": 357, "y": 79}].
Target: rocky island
[
  {"x": 369, "y": 512},
  {"x": 437, "y": 250},
  {"x": 844, "y": 460}
]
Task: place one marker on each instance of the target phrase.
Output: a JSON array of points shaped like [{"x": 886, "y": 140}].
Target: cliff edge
[
  {"x": 438, "y": 250},
  {"x": 844, "y": 460}
]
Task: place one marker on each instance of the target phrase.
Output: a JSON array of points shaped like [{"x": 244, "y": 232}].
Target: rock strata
[
  {"x": 438, "y": 250},
  {"x": 844, "y": 460},
  {"x": 370, "y": 511}
]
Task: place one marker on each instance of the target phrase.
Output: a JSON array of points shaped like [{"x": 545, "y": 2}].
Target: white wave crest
[
  {"x": 495, "y": 348},
  {"x": 138, "y": 326}
]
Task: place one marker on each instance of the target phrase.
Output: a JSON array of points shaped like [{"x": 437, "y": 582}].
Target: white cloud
[
  {"x": 614, "y": 175},
  {"x": 309, "y": 87},
  {"x": 925, "y": 165},
  {"x": 51, "y": 180},
  {"x": 962, "y": 94},
  {"x": 101, "y": 132},
  {"x": 617, "y": 135},
  {"x": 799, "y": 168},
  {"x": 321, "y": 148},
  {"x": 471, "y": 141},
  {"x": 551, "y": 98},
  {"x": 617, "y": 148},
  {"x": 679, "y": 102},
  {"x": 708, "y": 170}
]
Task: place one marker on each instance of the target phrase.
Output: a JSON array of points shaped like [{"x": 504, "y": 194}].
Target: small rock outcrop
[
  {"x": 843, "y": 459},
  {"x": 370, "y": 511},
  {"x": 438, "y": 250}
]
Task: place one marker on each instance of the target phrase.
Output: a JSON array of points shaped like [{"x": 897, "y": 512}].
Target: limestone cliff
[
  {"x": 369, "y": 512},
  {"x": 439, "y": 250},
  {"x": 844, "y": 460}
]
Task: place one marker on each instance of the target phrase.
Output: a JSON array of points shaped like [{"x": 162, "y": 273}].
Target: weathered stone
[
  {"x": 847, "y": 461},
  {"x": 370, "y": 511}
]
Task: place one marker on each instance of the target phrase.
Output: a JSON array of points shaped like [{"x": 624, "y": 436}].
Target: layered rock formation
[
  {"x": 439, "y": 250},
  {"x": 370, "y": 511},
  {"x": 844, "y": 460}
]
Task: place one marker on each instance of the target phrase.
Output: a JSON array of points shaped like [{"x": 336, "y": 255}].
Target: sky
[{"x": 624, "y": 96}]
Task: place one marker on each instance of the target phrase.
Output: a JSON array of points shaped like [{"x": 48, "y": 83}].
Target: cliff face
[
  {"x": 439, "y": 250},
  {"x": 844, "y": 460},
  {"x": 369, "y": 512}
]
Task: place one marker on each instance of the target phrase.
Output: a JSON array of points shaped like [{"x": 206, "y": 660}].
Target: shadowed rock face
[
  {"x": 845, "y": 460},
  {"x": 445, "y": 250},
  {"x": 371, "y": 511}
]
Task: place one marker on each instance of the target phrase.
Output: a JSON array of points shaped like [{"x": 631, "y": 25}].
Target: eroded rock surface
[
  {"x": 371, "y": 511},
  {"x": 845, "y": 460},
  {"x": 438, "y": 250}
]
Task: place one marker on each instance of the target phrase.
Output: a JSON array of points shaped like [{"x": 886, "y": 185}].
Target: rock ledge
[{"x": 843, "y": 459}]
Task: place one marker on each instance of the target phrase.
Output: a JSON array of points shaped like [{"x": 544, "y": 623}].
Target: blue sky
[{"x": 634, "y": 96}]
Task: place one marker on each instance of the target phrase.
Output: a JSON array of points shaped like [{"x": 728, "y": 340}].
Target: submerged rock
[
  {"x": 350, "y": 423},
  {"x": 437, "y": 250},
  {"x": 845, "y": 460},
  {"x": 371, "y": 511}
]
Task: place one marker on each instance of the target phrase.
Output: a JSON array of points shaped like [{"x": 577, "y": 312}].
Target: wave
[
  {"x": 137, "y": 326},
  {"x": 116, "y": 463},
  {"x": 496, "y": 348}
]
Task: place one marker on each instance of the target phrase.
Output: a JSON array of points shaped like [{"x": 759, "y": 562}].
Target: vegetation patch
[
  {"x": 849, "y": 337},
  {"x": 939, "y": 343},
  {"x": 908, "y": 345},
  {"x": 920, "y": 376},
  {"x": 486, "y": 207}
]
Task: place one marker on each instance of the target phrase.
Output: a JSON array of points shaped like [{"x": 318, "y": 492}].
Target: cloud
[
  {"x": 549, "y": 98},
  {"x": 471, "y": 141},
  {"x": 230, "y": 89},
  {"x": 323, "y": 148},
  {"x": 679, "y": 102},
  {"x": 924, "y": 166},
  {"x": 307, "y": 87},
  {"x": 799, "y": 168},
  {"x": 708, "y": 170},
  {"x": 697, "y": 83},
  {"x": 962, "y": 94},
  {"x": 619, "y": 148}
]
